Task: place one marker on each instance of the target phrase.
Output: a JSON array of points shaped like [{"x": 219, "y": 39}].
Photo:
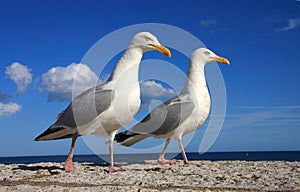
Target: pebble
[{"x": 151, "y": 176}]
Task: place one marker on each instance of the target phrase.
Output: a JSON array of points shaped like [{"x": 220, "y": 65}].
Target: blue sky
[{"x": 260, "y": 38}]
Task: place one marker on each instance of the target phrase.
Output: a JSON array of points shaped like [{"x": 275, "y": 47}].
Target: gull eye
[
  {"x": 206, "y": 52},
  {"x": 148, "y": 39}
]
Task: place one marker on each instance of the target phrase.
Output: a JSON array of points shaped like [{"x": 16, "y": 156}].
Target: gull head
[
  {"x": 147, "y": 42},
  {"x": 205, "y": 55}
]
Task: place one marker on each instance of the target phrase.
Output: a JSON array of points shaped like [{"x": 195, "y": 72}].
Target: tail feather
[
  {"x": 54, "y": 133},
  {"x": 128, "y": 138}
]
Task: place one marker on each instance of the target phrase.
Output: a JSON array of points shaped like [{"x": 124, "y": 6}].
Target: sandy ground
[{"x": 151, "y": 176}]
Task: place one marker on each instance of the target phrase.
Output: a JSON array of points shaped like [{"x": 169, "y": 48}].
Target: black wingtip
[
  {"x": 122, "y": 136},
  {"x": 36, "y": 139},
  {"x": 51, "y": 134}
]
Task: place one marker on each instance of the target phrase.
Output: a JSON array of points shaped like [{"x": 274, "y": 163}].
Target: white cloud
[
  {"x": 151, "y": 90},
  {"x": 208, "y": 22},
  {"x": 292, "y": 24},
  {"x": 9, "y": 108},
  {"x": 58, "y": 81},
  {"x": 20, "y": 74}
]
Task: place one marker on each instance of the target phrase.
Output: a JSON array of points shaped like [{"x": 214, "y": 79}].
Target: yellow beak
[
  {"x": 162, "y": 49},
  {"x": 222, "y": 60}
]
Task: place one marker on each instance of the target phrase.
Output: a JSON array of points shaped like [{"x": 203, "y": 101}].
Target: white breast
[
  {"x": 124, "y": 107},
  {"x": 198, "y": 116}
]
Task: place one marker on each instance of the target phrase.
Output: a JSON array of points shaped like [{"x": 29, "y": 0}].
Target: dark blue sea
[{"x": 213, "y": 156}]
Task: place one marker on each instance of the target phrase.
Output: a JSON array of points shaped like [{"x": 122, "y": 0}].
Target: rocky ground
[{"x": 151, "y": 176}]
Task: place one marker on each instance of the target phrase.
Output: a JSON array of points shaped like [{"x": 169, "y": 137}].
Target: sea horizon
[{"x": 131, "y": 158}]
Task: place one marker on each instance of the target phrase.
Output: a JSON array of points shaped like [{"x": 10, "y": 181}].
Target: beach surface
[{"x": 151, "y": 176}]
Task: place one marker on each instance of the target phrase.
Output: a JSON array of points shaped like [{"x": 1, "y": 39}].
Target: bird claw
[
  {"x": 112, "y": 169},
  {"x": 69, "y": 166},
  {"x": 192, "y": 163},
  {"x": 163, "y": 161}
]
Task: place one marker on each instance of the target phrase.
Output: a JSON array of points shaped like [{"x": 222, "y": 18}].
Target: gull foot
[
  {"x": 192, "y": 163},
  {"x": 69, "y": 166},
  {"x": 112, "y": 169},
  {"x": 163, "y": 161}
]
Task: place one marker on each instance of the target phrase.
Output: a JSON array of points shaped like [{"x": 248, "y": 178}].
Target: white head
[
  {"x": 147, "y": 42},
  {"x": 206, "y": 56}
]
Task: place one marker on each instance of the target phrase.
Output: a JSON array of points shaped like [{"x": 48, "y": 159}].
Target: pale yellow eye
[{"x": 148, "y": 39}]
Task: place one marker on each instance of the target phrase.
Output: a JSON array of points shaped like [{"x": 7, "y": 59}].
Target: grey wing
[
  {"x": 85, "y": 108},
  {"x": 165, "y": 118}
]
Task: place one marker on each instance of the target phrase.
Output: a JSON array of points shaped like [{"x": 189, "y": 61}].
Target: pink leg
[
  {"x": 111, "y": 168},
  {"x": 186, "y": 161},
  {"x": 161, "y": 158},
  {"x": 69, "y": 166}
]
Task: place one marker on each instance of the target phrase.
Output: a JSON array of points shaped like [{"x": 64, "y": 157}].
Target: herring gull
[
  {"x": 178, "y": 116},
  {"x": 105, "y": 109}
]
